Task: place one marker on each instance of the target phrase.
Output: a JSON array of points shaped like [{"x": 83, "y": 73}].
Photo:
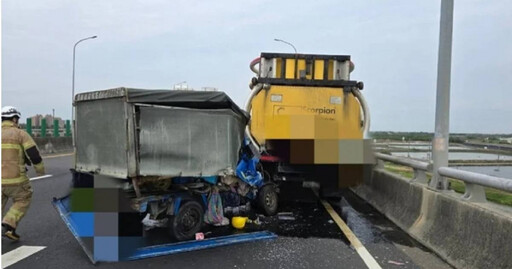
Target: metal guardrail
[
  {"x": 474, "y": 181},
  {"x": 419, "y": 168}
]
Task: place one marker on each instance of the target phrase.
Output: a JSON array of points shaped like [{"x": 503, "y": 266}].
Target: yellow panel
[
  {"x": 305, "y": 113},
  {"x": 301, "y": 65},
  {"x": 279, "y": 66},
  {"x": 301, "y": 126},
  {"x": 319, "y": 69},
  {"x": 283, "y": 132},
  {"x": 290, "y": 68},
  {"x": 326, "y": 129}
]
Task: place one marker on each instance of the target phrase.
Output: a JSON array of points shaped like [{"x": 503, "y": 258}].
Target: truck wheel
[
  {"x": 267, "y": 199},
  {"x": 188, "y": 221}
]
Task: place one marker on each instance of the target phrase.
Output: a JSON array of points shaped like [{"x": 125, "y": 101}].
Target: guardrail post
[
  {"x": 29, "y": 126},
  {"x": 380, "y": 164},
  {"x": 68, "y": 128},
  {"x": 420, "y": 176},
  {"x": 55, "y": 128},
  {"x": 474, "y": 193},
  {"x": 43, "y": 127}
]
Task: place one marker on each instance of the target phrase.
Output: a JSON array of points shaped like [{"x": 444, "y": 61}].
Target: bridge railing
[{"x": 474, "y": 182}]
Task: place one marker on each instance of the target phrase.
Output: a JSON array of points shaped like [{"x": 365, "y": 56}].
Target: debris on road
[
  {"x": 285, "y": 216},
  {"x": 396, "y": 263}
]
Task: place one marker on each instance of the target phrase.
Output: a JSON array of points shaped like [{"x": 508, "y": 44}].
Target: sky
[{"x": 155, "y": 44}]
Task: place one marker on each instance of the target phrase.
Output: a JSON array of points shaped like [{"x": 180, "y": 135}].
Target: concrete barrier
[
  {"x": 51, "y": 145},
  {"x": 465, "y": 234}
]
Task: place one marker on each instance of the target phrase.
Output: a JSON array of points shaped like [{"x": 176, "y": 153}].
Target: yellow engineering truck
[{"x": 308, "y": 119}]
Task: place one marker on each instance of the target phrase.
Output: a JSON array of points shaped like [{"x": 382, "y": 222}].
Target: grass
[{"x": 493, "y": 195}]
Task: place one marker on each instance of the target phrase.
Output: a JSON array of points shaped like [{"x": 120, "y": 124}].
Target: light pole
[
  {"x": 280, "y": 40},
  {"x": 181, "y": 83},
  {"x": 73, "y": 89},
  {"x": 296, "y": 55},
  {"x": 440, "y": 142}
]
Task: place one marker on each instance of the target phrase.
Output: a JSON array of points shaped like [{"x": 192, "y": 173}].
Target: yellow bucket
[{"x": 238, "y": 222}]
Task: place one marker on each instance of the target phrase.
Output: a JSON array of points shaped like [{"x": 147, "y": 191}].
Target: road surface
[{"x": 316, "y": 241}]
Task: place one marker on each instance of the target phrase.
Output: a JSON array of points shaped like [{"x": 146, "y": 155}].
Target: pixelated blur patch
[
  {"x": 326, "y": 151},
  {"x": 351, "y": 151},
  {"x": 130, "y": 224},
  {"x": 106, "y": 200},
  {"x": 350, "y": 175},
  {"x": 82, "y": 200},
  {"x": 302, "y": 151},
  {"x": 368, "y": 154},
  {"x": 83, "y": 223},
  {"x": 124, "y": 203},
  {"x": 106, "y": 248},
  {"x": 83, "y": 180},
  {"x": 128, "y": 246},
  {"x": 106, "y": 182},
  {"x": 106, "y": 224}
]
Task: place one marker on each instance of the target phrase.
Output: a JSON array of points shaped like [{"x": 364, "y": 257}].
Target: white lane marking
[
  {"x": 56, "y": 156},
  {"x": 360, "y": 249},
  {"x": 41, "y": 177},
  {"x": 19, "y": 254}
]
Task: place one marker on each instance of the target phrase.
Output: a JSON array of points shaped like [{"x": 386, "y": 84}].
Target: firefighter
[{"x": 18, "y": 149}]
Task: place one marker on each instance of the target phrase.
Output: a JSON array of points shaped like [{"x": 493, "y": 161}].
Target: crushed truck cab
[{"x": 157, "y": 168}]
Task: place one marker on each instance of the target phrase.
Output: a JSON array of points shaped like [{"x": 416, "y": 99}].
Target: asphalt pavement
[{"x": 313, "y": 241}]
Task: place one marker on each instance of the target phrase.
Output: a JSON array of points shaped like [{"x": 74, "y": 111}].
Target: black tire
[
  {"x": 268, "y": 199},
  {"x": 188, "y": 221}
]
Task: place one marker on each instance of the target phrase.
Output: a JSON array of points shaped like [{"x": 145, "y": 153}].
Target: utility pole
[{"x": 441, "y": 138}]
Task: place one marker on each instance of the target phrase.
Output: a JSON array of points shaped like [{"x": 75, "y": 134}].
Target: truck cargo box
[{"x": 126, "y": 132}]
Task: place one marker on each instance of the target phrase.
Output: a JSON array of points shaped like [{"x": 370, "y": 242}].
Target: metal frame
[
  {"x": 307, "y": 82},
  {"x": 305, "y": 56},
  {"x": 474, "y": 182}
]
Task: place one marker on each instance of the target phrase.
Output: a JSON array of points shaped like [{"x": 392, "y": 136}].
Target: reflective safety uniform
[{"x": 18, "y": 149}]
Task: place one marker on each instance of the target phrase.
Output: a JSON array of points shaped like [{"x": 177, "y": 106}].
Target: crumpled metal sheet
[{"x": 188, "y": 142}]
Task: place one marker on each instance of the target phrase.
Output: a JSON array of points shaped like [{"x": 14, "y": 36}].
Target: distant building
[{"x": 37, "y": 121}]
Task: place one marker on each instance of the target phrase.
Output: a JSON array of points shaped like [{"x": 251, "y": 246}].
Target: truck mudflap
[{"x": 81, "y": 225}]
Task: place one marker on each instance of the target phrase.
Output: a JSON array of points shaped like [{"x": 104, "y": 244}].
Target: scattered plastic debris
[
  {"x": 396, "y": 263},
  {"x": 256, "y": 221},
  {"x": 224, "y": 222},
  {"x": 199, "y": 236},
  {"x": 151, "y": 223},
  {"x": 285, "y": 216},
  {"x": 330, "y": 221}
]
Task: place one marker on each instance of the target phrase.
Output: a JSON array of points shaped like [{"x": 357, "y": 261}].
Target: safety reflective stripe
[
  {"x": 28, "y": 144},
  {"x": 11, "y": 146},
  {"x": 7, "y": 123},
  {"x": 14, "y": 213},
  {"x": 21, "y": 160},
  {"x": 17, "y": 180}
]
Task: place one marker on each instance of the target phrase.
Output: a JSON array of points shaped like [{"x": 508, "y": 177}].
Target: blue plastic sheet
[{"x": 246, "y": 171}]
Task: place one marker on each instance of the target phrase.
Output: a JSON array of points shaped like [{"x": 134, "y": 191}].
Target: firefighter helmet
[{"x": 10, "y": 111}]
